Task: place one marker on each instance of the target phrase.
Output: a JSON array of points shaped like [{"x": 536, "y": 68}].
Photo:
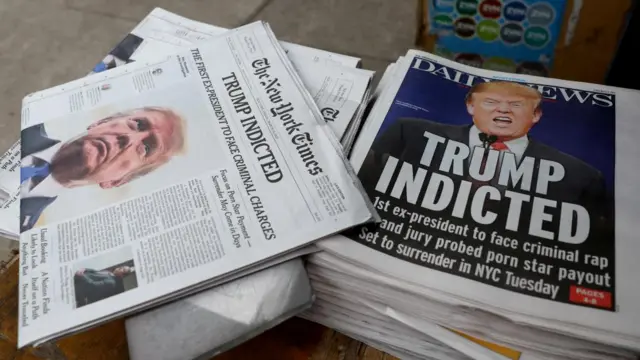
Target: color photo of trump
[
  {"x": 109, "y": 153},
  {"x": 501, "y": 115}
]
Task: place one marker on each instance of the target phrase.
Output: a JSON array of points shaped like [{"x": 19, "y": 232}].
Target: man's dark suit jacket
[
  {"x": 94, "y": 285},
  {"x": 33, "y": 140},
  {"x": 582, "y": 184}
]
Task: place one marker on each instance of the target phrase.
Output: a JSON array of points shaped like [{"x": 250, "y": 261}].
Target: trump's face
[
  {"x": 113, "y": 149},
  {"x": 502, "y": 113}
]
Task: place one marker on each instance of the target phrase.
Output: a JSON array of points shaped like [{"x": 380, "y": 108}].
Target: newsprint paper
[
  {"x": 148, "y": 181},
  {"x": 9, "y": 192},
  {"x": 514, "y": 194},
  {"x": 333, "y": 80},
  {"x": 339, "y": 88}
]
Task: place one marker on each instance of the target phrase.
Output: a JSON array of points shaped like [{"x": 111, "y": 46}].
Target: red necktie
[{"x": 499, "y": 145}]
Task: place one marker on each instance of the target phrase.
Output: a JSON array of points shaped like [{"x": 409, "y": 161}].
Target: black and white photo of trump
[{"x": 110, "y": 152}]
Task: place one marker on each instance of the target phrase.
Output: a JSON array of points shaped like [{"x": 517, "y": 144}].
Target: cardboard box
[{"x": 591, "y": 47}]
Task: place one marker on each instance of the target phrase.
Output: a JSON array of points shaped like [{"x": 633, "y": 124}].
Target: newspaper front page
[
  {"x": 337, "y": 87},
  {"x": 514, "y": 193},
  {"x": 150, "y": 179}
]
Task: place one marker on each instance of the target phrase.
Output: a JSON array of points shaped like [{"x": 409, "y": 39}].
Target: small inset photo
[{"x": 104, "y": 276}]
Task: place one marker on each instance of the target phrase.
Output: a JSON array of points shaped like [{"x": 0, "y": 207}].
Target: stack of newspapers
[
  {"x": 190, "y": 157},
  {"x": 480, "y": 215},
  {"x": 508, "y": 205}
]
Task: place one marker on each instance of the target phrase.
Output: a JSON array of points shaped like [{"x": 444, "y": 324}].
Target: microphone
[{"x": 487, "y": 140}]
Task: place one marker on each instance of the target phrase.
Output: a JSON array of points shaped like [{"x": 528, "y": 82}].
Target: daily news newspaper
[
  {"x": 516, "y": 193},
  {"x": 147, "y": 181}
]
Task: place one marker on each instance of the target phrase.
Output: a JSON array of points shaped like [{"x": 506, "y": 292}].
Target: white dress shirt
[{"x": 516, "y": 146}]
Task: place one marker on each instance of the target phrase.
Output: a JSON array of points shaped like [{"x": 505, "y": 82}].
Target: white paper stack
[
  {"x": 508, "y": 210},
  {"x": 213, "y": 321}
]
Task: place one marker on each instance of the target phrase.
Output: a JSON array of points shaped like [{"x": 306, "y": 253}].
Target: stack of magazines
[
  {"x": 508, "y": 207},
  {"x": 190, "y": 157}
]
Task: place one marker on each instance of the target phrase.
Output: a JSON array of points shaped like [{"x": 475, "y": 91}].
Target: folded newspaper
[
  {"x": 157, "y": 31},
  {"x": 222, "y": 317},
  {"x": 508, "y": 210},
  {"x": 155, "y": 180},
  {"x": 339, "y": 89}
]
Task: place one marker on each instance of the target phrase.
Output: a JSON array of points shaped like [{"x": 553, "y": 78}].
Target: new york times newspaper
[
  {"x": 154, "y": 179},
  {"x": 332, "y": 79},
  {"x": 506, "y": 182}
]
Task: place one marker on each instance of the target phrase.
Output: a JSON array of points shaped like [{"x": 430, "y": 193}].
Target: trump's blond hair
[{"x": 510, "y": 87}]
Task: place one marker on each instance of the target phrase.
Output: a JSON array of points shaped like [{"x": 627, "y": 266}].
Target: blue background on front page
[{"x": 582, "y": 130}]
